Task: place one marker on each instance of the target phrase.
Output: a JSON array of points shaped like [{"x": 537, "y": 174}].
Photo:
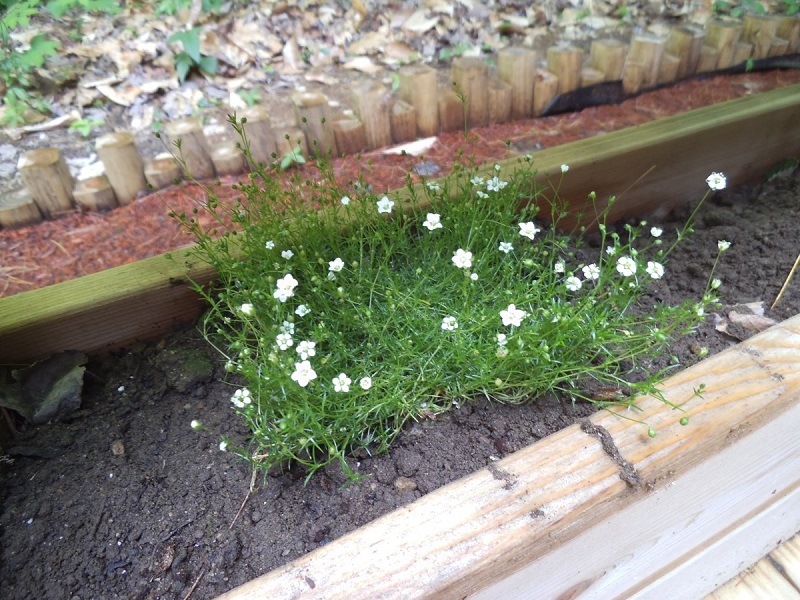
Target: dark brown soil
[{"x": 80, "y": 520}]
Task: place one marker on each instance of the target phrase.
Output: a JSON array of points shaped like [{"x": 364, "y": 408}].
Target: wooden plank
[
  {"x": 650, "y": 168},
  {"x": 762, "y": 580},
  {"x": 556, "y": 519},
  {"x": 787, "y": 557}
]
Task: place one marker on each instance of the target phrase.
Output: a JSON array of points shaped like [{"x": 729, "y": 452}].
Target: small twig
[
  {"x": 246, "y": 498},
  {"x": 194, "y": 585},
  {"x": 786, "y": 283}
]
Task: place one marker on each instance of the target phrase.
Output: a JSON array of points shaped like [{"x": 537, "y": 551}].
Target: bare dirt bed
[{"x": 125, "y": 500}]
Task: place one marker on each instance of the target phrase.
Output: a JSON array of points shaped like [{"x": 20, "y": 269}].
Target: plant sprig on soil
[{"x": 342, "y": 313}]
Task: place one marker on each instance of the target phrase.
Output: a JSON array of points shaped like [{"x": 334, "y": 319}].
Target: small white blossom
[
  {"x": 626, "y": 266},
  {"x": 287, "y": 327},
  {"x": 287, "y": 254},
  {"x": 610, "y": 250},
  {"x": 433, "y": 186},
  {"x": 502, "y": 339},
  {"x": 512, "y": 316},
  {"x": 269, "y": 245},
  {"x": 502, "y": 352},
  {"x": 495, "y": 184},
  {"x": 223, "y": 445},
  {"x": 655, "y": 270},
  {"x": 365, "y": 383},
  {"x": 699, "y": 310},
  {"x": 591, "y": 272},
  {"x": 717, "y": 181},
  {"x": 497, "y": 167},
  {"x": 573, "y": 283},
  {"x": 564, "y": 168},
  {"x": 432, "y": 221},
  {"x": 528, "y": 230},
  {"x": 473, "y": 276},
  {"x": 385, "y": 205},
  {"x": 196, "y": 424},
  {"x": 345, "y": 200},
  {"x": 336, "y": 265},
  {"x": 449, "y": 324},
  {"x": 723, "y": 245},
  {"x": 506, "y": 247},
  {"x": 303, "y": 373},
  {"x": 715, "y": 283},
  {"x": 284, "y": 341},
  {"x": 477, "y": 181},
  {"x": 560, "y": 266},
  {"x": 341, "y": 383},
  {"x": 247, "y": 309},
  {"x": 656, "y": 231},
  {"x": 302, "y": 310},
  {"x": 306, "y": 349},
  {"x": 284, "y": 287},
  {"x": 241, "y": 398},
  {"x": 462, "y": 258}
]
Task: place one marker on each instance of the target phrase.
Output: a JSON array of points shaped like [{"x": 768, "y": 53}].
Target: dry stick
[
  {"x": 786, "y": 283},
  {"x": 194, "y": 585},
  {"x": 623, "y": 192},
  {"x": 246, "y": 498}
]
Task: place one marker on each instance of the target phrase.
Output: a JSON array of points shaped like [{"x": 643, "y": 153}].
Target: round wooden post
[
  {"x": 545, "y": 89},
  {"x": 759, "y": 31},
  {"x": 451, "y": 111},
  {"x": 290, "y": 138},
  {"x": 789, "y": 29},
  {"x": 46, "y": 176},
  {"x": 723, "y": 35},
  {"x": 351, "y": 136},
  {"x": 17, "y": 208},
  {"x": 645, "y": 51},
  {"x": 403, "y": 118},
  {"x": 371, "y": 102},
  {"x": 418, "y": 87},
  {"x": 685, "y": 43},
  {"x": 95, "y": 193},
  {"x": 669, "y": 68},
  {"x": 260, "y": 135},
  {"x": 501, "y": 99},
  {"x": 162, "y": 171},
  {"x": 566, "y": 63},
  {"x": 194, "y": 150},
  {"x": 608, "y": 56},
  {"x": 517, "y": 67},
  {"x": 123, "y": 165},
  {"x": 228, "y": 159},
  {"x": 313, "y": 117},
  {"x": 742, "y": 52},
  {"x": 708, "y": 59},
  {"x": 471, "y": 78}
]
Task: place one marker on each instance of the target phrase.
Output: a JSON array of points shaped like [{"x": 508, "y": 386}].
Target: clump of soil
[{"x": 125, "y": 500}]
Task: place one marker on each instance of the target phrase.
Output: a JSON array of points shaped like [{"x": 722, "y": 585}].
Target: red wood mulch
[{"x": 82, "y": 242}]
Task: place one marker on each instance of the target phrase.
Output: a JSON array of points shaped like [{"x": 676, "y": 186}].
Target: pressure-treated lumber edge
[
  {"x": 556, "y": 519},
  {"x": 650, "y": 168}
]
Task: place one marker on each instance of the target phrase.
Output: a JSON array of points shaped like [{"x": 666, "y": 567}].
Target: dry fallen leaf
[
  {"x": 413, "y": 148},
  {"x": 420, "y": 23},
  {"x": 123, "y": 97},
  {"x": 744, "y": 320},
  {"x": 363, "y": 64}
]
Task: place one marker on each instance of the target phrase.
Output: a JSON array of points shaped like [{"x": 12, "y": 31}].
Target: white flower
[
  {"x": 223, "y": 445},
  {"x": 528, "y": 230},
  {"x": 626, "y": 266},
  {"x": 502, "y": 352},
  {"x": 497, "y": 167},
  {"x": 715, "y": 283},
  {"x": 365, "y": 383},
  {"x": 610, "y": 250},
  {"x": 560, "y": 266},
  {"x": 303, "y": 373},
  {"x": 502, "y": 339},
  {"x": 287, "y": 327},
  {"x": 385, "y": 205},
  {"x": 241, "y": 398},
  {"x": 591, "y": 272},
  {"x": 481, "y": 195},
  {"x": 306, "y": 349},
  {"x": 655, "y": 270},
  {"x": 336, "y": 265},
  {"x": 512, "y": 316},
  {"x": 564, "y": 168},
  {"x": 269, "y": 245},
  {"x": 449, "y": 324},
  {"x": 506, "y": 247},
  {"x": 432, "y": 221},
  {"x": 341, "y": 383},
  {"x": 573, "y": 283},
  {"x": 284, "y": 341},
  {"x": 473, "y": 276},
  {"x": 284, "y": 287},
  {"x": 433, "y": 186},
  {"x": 495, "y": 184},
  {"x": 287, "y": 254},
  {"x": 196, "y": 424},
  {"x": 462, "y": 259},
  {"x": 656, "y": 231},
  {"x": 699, "y": 310},
  {"x": 717, "y": 181},
  {"x": 723, "y": 245},
  {"x": 477, "y": 181},
  {"x": 302, "y": 310},
  {"x": 345, "y": 200},
  {"x": 247, "y": 309}
]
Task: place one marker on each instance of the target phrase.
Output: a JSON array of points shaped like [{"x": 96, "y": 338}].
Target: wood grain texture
[{"x": 555, "y": 518}]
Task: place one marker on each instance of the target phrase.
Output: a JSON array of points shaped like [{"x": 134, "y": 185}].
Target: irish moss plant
[{"x": 343, "y": 313}]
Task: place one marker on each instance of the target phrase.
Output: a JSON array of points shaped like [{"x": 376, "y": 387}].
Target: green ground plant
[{"x": 339, "y": 325}]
